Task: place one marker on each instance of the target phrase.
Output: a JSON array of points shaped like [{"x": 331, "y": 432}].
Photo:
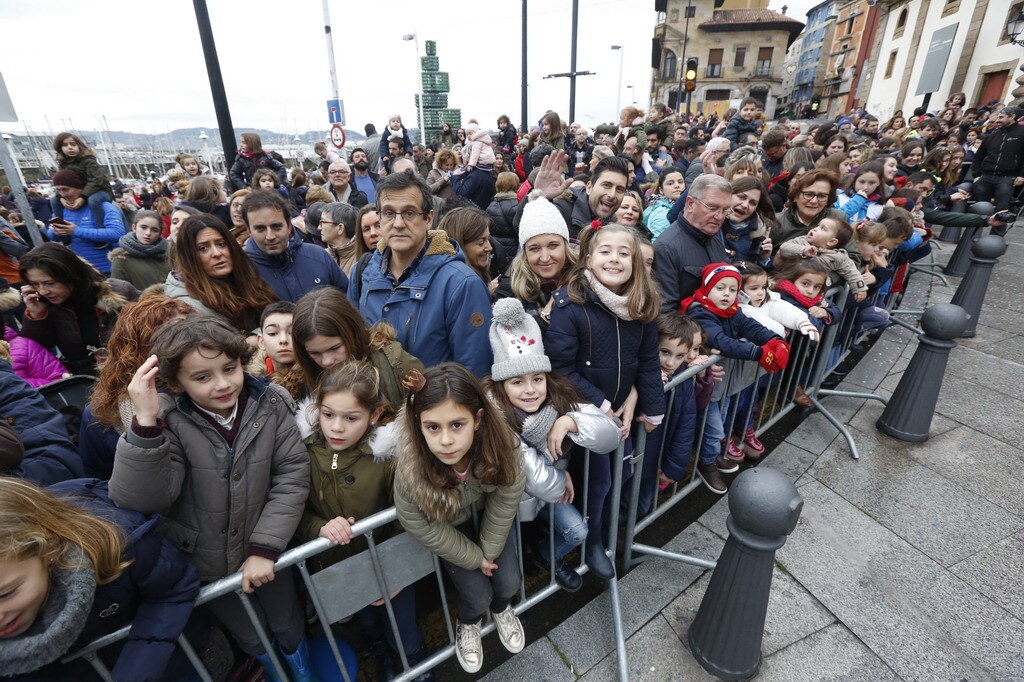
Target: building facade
[
  {"x": 811, "y": 44},
  {"x": 740, "y": 53},
  {"x": 931, "y": 49}
]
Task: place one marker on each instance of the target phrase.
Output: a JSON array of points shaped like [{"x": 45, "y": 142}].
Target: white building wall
[{"x": 882, "y": 100}]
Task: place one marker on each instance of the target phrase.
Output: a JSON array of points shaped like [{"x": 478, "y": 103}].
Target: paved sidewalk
[{"x": 906, "y": 564}]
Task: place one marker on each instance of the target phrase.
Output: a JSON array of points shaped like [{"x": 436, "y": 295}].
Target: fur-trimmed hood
[
  {"x": 411, "y": 474},
  {"x": 9, "y": 300},
  {"x": 438, "y": 244},
  {"x": 114, "y": 294},
  {"x": 502, "y": 196}
]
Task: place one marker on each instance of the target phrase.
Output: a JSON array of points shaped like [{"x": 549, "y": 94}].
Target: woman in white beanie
[
  {"x": 544, "y": 259},
  {"x": 547, "y": 413}
]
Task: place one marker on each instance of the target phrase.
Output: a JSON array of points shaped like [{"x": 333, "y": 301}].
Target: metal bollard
[
  {"x": 971, "y": 293},
  {"x": 958, "y": 262},
  {"x": 726, "y": 633},
  {"x": 908, "y": 416}
]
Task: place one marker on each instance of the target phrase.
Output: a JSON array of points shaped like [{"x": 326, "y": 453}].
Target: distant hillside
[{"x": 188, "y": 138}]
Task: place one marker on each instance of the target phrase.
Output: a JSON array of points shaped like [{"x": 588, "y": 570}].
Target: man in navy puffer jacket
[{"x": 289, "y": 265}]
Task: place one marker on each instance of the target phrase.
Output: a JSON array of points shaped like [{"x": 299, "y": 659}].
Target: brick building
[{"x": 740, "y": 52}]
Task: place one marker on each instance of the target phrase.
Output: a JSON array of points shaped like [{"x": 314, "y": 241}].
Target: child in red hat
[{"x": 739, "y": 338}]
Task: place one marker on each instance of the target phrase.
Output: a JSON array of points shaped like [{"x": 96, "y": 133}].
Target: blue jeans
[
  {"x": 714, "y": 430},
  {"x": 570, "y": 529},
  {"x": 999, "y": 186}
]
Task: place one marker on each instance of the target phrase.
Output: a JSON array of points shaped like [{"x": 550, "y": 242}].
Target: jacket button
[
  {"x": 238, "y": 476},
  {"x": 226, "y": 475},
  {"x": 350, "y": 480},
  {"x": 273, "y": 401},
  {"x": 186, "y": 544},
  {"x": 234, "y": 531},
  {"x": 255, "y": 425},
  {"x": 387, "y": 308},
  {"x": 223, "y": 531}
]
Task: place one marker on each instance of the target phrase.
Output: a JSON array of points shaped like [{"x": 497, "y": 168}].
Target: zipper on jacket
[
  {"x": 334, "y": 461},
  {"x": 618, "y": 345}
]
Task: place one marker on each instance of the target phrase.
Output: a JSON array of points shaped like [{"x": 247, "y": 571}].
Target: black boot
[
  {"x": 567, "y": 577},
  {"x": 598, "y": 560}
]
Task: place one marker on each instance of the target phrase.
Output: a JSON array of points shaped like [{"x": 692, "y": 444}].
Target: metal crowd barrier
[{"x": 340, "y": 590}]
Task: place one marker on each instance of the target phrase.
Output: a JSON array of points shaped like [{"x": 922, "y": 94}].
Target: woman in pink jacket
[{"x": 30, "y": 361}]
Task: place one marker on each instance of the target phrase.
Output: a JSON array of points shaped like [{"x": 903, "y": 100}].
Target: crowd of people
[{"x": 446, "y": 328}]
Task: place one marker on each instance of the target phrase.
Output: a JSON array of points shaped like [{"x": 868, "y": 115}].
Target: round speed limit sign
[{"x": 337, "y": 135}]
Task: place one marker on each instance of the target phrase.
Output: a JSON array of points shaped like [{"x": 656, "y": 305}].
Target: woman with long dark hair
[
  {"x": 69, "y": 305},
  {"x": 213, "y": 274}
]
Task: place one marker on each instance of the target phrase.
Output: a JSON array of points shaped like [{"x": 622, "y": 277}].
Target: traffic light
[{"x": 691, "y": 73}]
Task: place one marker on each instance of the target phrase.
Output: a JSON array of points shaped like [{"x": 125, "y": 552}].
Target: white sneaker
[
  {"x": 468, "y": 647},
  {"x": 510, "y": 630}
]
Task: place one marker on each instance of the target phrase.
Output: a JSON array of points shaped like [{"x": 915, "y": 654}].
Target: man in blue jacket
[
  {"x": 290, "y": 266},
  {"x": 419, "y": 283}
]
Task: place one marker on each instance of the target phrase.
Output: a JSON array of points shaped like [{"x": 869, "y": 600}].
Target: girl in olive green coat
[
  {"x": 456, "y": 453},
  {"x": 351, "y": 478}
]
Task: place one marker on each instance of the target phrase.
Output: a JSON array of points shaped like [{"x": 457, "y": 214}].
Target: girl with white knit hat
[{"x": 544, "y": 409}]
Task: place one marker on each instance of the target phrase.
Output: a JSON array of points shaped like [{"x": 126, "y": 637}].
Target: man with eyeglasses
[
  {"x": 692, "y": 242},
  {"x": 419, "y": 282},
  {"x": 339, "y": 176}
]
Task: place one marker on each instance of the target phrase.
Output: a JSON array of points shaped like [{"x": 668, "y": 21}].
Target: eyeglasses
[
  {"x": 387, "y": 216},
  {"x": 813, "y": 196},
  {"x": 327, "y": 222},
  {"x": 714, "y": 210},
  {"x": 338, "y": 172}
]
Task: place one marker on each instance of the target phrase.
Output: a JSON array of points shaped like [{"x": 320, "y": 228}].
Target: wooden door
[{"x": 993, "y": 86}]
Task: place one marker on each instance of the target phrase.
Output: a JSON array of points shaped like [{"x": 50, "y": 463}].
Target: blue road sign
[{"x": 335, "y": 111}]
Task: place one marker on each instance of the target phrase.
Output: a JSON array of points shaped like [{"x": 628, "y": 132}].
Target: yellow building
[{"x": 739, "y": 44}]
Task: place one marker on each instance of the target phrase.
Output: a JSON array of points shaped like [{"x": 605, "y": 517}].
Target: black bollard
[
  {"x": 908, "y": 415},
  {"x": 950, "y": 233},
  {"x": 958, "y": 262},
  {"x": 971, "y": 293},
  {"x": 726, "y": 634}
]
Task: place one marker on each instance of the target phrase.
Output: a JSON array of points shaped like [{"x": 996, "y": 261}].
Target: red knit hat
[{"x": 713, "y": 273}]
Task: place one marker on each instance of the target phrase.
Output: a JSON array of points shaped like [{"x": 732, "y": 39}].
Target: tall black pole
[
  {"x": 220, "y": 99},
  {"x": 525, "y": 129},
  {"x": 572, "y": 65}
]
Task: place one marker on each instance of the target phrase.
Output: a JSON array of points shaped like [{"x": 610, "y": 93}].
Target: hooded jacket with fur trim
[{"x": 431, "y": 515}]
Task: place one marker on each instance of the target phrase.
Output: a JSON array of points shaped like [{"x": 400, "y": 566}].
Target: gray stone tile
[
  {"x": 875, "y": 366},
  {"x": 814, "y": 434},
  {"x": 790, "y": 460},
  {"x": 996, "y": 572},
  {"x": 654, "y": 653},
  {"x": 985, "y": 336},
  {"x": 933, "y": 513},
  {"x": 891, "y": 382},
  {"x": 539, "y": 662},
  {"x": 970, "y": 402},
  {"x": 988, "y": 370},
  {"x": 588, "y": 636},
  {"x": 866, "y": 417},
  {"x": 983, "y": 465},
  {"x": 922, "y": 621},
  {"x": 792, "y": 612},
  {"x": 833, "y": 653},
  {"x": 714, "y": 519}
]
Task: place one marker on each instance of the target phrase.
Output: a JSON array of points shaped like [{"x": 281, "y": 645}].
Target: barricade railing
[
  {"x": 399, "y": 562},
  {"x": 809, "y": 364}
]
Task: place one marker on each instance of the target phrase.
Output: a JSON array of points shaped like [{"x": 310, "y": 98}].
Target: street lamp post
[
  {"x": 632, "y": 93},
  {"x": 206, "y": 149},
  {"x": 618, "y": 92},
  {"x": 419, "y": 75}
]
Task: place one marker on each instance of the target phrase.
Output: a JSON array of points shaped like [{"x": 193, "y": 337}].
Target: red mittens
[{"x": 774, "y": 355}]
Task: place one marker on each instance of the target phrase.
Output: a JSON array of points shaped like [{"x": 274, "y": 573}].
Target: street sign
[
  {"x": 337, "y": 135},
  {"x": 335, "y": 111}
]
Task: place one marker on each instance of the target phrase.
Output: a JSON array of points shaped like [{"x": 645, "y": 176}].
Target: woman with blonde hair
[{"x": 78, "y": 567}]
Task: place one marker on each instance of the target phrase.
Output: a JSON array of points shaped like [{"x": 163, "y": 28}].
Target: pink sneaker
[
  {"x": 734, "y": 452},
  {"x": 753, "y": 448}
]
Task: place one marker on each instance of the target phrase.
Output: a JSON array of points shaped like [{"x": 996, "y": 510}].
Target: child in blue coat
[
  {"x": 679, "y": 344},
  {"x": 603, "y": 337},
  {"x": 714, "y": 306}
]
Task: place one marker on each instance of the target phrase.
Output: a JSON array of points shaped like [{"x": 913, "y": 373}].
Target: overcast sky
[{"x": 140, "y": 62}]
